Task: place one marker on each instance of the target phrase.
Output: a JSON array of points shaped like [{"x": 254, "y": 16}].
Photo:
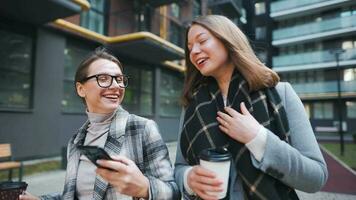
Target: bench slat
[
  {"x": 5, "y": 150},
  {"x": 9, "y": 165}
]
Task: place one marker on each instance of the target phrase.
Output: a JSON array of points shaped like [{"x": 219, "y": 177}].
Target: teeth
[
  {"x": 200, "y": 61},
  {"x": 111, "y": 96}
]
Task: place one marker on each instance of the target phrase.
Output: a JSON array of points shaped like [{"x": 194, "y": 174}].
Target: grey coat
[
  {"x": 136, "y": 138},
  {"x": 299, "y": 164}
]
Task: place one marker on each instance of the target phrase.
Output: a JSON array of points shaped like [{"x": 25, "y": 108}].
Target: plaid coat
[{"x": 136, "y": 138}]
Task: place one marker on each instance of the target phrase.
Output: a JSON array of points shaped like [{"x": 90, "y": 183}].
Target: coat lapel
[
  {"x": 112, "y": 146},
  {"x": 73, "y": 163}
]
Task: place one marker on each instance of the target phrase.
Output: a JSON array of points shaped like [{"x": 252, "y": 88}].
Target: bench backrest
[{"x": 5, "y": 151}]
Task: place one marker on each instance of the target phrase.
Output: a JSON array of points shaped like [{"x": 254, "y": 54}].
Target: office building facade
[
  {"x": 44, "y": 41},
  {"x": 314, "y": 48}
]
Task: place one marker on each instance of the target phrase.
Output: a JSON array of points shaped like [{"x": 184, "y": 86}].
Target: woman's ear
[{"x": 80, "y": 89}]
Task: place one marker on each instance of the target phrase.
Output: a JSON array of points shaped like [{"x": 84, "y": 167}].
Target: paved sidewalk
[{"x": 50, "y": 182}]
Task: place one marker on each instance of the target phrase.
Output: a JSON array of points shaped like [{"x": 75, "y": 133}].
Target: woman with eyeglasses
[{"x": 140, "y": 169}]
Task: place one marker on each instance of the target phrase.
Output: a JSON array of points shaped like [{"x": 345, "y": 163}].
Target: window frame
[
  {"x": 85, "y": 17},
  {"x": 77, "y": 44},
  {"x": 174, "y": 74},
  {"x": 27, "y": 31}
]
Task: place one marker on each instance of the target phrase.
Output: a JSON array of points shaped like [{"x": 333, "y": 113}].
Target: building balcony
[
  {"x": 229, "y": 7},
  {"x": 336, "y": 27},
  {"x": 292, "y": 8},
  {"x": 312, "y": 60},
  {"x": 327, "y": 89},
  {"x": 166, "y": 27},
  {"x": 41, "y": 11},
  {"x": 145, "y": 38},
  {"x": 158, "y": 3},
  {"x": 155, "y": 38}
]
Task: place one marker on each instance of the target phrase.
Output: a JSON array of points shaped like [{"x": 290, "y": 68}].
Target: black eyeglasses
[{"x": 105, "y": 80}]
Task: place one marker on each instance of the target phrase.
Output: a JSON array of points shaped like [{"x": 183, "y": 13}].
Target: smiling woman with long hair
[{"x": 232, "y": 100}]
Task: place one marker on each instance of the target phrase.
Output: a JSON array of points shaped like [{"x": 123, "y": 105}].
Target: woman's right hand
[
  {"x": 28, "y": 196},
  {"x": 204, "y": 183}
]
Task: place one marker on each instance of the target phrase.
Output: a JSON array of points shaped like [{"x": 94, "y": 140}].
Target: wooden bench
[{"x": 7, "y": 163}]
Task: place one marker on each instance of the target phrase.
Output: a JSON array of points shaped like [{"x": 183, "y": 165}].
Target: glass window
[
  {"x": 175, "y": 34},
  {"x": 93, "y": 19},
  {"x": 73, "y": 55},
  {"x": 323, "y": 110},
  {"x": 347, "y": 45},
  {"x": 243, "y": 16},
  {"x": 262, "y": 55},
  {"x": 349, "y": 74},
  {"x": 310, "y": 76},
  {"x": 292, "y": 78},
  {"x": 175, "y": 10},
  {"x": 351, "y": 109},
  {"x": 301, "y": 76},
  {"x": 138, "y": 95},
  {"x": 196, "y": 8},
  {"x": 320, "y": 76},
  {"x": 170, "y": 92},
  {"x": 307, "y": 109},
  {"x": 260, "y": 8},
  {"x": 15, "y": 70},
  {"x": 260, "y": 33}
]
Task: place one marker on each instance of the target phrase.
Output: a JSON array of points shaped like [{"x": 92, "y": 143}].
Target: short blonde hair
[{"x": 240, "y": 52}]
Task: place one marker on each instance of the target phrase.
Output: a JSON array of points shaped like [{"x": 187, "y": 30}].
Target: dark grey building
[{"x": 39, "y": 110}]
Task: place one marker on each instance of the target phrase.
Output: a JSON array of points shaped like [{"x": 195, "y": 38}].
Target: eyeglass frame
[{"x": 96, "y": 76}]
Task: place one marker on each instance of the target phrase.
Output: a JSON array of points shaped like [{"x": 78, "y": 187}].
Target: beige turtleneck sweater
[{"x": 97, "y": 134}]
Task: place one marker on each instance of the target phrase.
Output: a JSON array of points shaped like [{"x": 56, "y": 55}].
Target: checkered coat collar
[{"x": 112, "y": 145}]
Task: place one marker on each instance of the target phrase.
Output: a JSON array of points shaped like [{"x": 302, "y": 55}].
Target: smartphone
[{"x": 94, "y": 153}]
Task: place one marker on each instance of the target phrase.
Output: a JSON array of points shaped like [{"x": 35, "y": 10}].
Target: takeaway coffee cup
[
  {"x": 217, "y": 160},
  {"x": 11, "y": 190}
]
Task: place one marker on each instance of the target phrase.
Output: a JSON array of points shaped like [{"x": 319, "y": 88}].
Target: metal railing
[
  {"x": 290, "y": 4},
  {"x": 311, "y": 58},
  {"x": 324, "y": 87},
  {"x": 315, "y": 27},
  {"x": 236, "y": 2}
]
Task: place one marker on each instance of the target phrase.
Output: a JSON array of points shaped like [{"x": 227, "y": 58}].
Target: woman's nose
[
  {"x": 195, "y": 48},
  {"x": 116, "y": 83}
]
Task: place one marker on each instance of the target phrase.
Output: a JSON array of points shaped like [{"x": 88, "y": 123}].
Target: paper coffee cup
[{"x": 218, "y": 161}]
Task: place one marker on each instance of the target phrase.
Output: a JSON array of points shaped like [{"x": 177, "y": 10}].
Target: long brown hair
[{"x": 240, "y": 52}]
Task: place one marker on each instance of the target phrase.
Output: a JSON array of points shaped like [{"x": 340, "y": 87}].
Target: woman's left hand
[
  {"x": 124, "y": 176},
  {"x": 242, "y": 127}
]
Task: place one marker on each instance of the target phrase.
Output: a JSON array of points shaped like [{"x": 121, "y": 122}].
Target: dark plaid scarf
[{"x": 201, "y": 131}]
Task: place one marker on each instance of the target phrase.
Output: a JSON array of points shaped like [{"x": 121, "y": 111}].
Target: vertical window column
[
  {"x": 93, "y": 19},
  {"x": 170, "y": 92},
  {"x": 138, "y": 94},
  {"x": 73, "y": 54},
  {"x": 15, "y": 70}
]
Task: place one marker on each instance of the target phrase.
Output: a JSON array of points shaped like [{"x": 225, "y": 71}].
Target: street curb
[{"x": 338, "y": 160}]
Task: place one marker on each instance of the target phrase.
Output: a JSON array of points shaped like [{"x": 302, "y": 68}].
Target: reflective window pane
[
  {"x": 138, "y": 94},
  {"x": 260, "y": 8},
  {"x": 170, "y": 92},
  {"x": 15, "y": 70},
  {"x": 351, "y": 109},
  {"x": 73, "y": 55},
  {"x": 323, "y": 110},
  {"x": 94, "y": 18}
]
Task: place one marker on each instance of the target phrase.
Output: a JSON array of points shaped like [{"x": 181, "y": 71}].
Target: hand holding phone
[{"x": 94, "y": 153}]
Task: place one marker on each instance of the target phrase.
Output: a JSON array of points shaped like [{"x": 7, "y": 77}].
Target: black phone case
[{"x": 94, "y": 153}]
